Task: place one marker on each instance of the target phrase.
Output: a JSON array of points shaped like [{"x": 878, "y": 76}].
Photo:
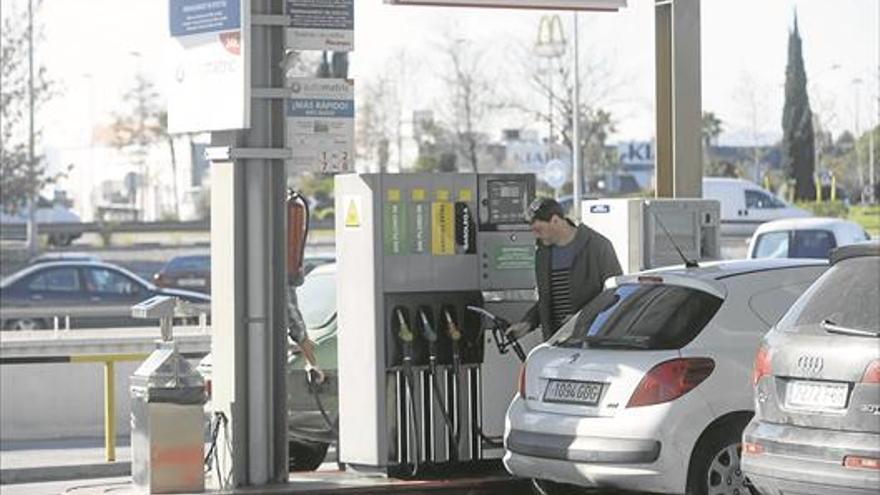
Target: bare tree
[
  {"x": 599, "y": 85},
  {"x": 376, "y": 116},
  {"x": 142, "y": 124},
  {"x": 753, "y": 105},
  {"x": 20, "y": 178},
  {"x": 471, "y": 95}
]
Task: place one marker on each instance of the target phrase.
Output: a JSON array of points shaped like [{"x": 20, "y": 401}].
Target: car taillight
[
  {"x": 159, "y": 279},
  {"x": 762, "y": 365},
  {"x": 753, "y": 448},
  {"x": 208, "y": 388},
  {"x": 522, "y": 380},
  {"x": 872, "y": 373},
  {"x": 670, "y": 380},
  {"x": 856, "y": 462}
]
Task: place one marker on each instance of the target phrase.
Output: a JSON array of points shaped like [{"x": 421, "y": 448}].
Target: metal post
[
  {"x": 677, "y": 54},
  {"x": 32, "y": 231},
  {"x": 109, "y": 411},
  {"x": 247, "y": 252},
  {"x": 576, "y": 135}
]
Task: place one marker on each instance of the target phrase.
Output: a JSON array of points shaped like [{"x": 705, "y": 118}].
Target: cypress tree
[{"x": 797, "y": 122}]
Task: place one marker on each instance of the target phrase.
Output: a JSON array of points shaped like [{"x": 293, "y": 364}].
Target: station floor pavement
[{"x": 78, "y": 467}]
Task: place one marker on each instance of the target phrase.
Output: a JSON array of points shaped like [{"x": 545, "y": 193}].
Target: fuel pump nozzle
[
  {"x": 431, "y": 336},
  {"x": 406, "y": 336},
  {"x": 499, "y": 325}
]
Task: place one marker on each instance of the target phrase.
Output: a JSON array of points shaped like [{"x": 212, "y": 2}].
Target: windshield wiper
[
  {"x": 632, "y": 342},
  {"x": 832, "y": 327}
]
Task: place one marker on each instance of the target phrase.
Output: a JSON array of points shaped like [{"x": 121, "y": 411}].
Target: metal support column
[
  {"x": 679, "y": 108},
  {"x": 248, "y": 275}
]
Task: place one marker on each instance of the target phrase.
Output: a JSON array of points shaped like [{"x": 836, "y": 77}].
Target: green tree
[
  {"x": 19, "y": 179},
  {"x": 711, "y": 128},
  {"x": 797, "y": 122}
]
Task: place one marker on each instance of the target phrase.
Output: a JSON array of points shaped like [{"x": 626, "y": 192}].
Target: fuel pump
[{"x": 414, "y": 251}]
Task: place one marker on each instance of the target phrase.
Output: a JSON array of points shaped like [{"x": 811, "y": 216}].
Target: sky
[{"x": 94, "y": 48}]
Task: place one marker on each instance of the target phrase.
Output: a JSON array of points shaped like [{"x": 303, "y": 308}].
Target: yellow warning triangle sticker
[{"x": 352, "y": 217}]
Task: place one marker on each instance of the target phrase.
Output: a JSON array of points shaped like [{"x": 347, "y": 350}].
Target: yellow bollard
[
  {"x": 818, "y": 189},
  {"x": 109, "y": 411}
]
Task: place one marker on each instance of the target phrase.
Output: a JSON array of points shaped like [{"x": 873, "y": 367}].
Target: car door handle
[
  {"x": 95, "y": 299},
  {"x": 37, "y": 297}
]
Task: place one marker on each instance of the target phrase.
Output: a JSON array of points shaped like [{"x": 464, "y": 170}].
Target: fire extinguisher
[{"x": 297, "y": 232}]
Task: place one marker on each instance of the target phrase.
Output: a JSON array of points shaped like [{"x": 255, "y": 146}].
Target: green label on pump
[
  {"x": 395, "y": 233},
  {"x": 420, "y": 224},
  {"x": 514, "y": 257}
]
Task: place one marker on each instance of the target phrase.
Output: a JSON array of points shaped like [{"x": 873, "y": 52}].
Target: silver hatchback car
[{"x": 816, "y": 428}]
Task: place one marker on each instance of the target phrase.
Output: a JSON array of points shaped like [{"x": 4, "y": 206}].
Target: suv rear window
[
  {"x": 846, "y": 295},
  {"x": 795, "y": 244},
  {"x": 642, "y": 316}
]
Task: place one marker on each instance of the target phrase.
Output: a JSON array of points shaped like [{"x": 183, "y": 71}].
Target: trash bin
[{"x": 167, "y": 424}]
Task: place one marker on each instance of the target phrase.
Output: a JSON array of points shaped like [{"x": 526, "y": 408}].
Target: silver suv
[{"x": 816, "y": 428}]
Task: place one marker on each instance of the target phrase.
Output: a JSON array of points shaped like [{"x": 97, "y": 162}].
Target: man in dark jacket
[{"x": 571, "y": 265}]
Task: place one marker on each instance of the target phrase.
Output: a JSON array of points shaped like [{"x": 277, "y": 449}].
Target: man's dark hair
[{"x": 543, "y": 209}]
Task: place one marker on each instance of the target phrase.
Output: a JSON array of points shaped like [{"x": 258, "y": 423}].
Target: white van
[{"x": 746, "y": 205}]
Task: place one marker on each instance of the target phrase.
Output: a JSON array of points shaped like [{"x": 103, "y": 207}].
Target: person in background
[
  {"x": 572, "y": 263},
  {"x": 296, "y": 329}
]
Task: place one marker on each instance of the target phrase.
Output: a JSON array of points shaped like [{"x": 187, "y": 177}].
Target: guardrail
[
  {"x": 107, "y": 346},
  {"x": 18, "y": 231},
  {"x": 109, "y": 361}
]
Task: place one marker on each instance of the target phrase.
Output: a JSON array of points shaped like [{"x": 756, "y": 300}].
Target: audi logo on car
[{"x": 810, "y": 364}]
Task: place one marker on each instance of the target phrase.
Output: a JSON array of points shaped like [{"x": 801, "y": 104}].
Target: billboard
[{"x": 210, "y": 83}]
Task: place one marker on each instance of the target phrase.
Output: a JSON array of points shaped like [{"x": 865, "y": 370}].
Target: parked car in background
[
  {"x": 64, "y": 256},
  {"x": 816, "y": 381},
  {"x": 14, "y": 226},
  {"x": 647, "y": 387},
  {"x": 92, "y": 294},
  {"x": 191, "y": 272},
  {"x": 804, "y": 237},
  {"x": 745, "y": 205},
  {"x": 309, "y": 434}
]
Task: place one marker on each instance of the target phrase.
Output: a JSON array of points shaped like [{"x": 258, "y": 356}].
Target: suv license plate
[
  {"x": 816, "y": 395},
  {"x": 573, "y": 392}
]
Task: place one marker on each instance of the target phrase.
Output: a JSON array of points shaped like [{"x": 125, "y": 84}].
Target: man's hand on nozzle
[
  {"x": 315, "y": 374},
  {"x": 518, "y": 330}
]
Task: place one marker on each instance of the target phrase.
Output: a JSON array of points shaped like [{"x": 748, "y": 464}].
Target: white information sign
[
  {"x": 210, "y": 84},
  {"x": 326, "y": 25},
  {"x": 320, "y": 124}
]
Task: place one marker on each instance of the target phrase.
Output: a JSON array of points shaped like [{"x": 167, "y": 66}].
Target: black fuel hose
[{"x": 431, "y": 337}]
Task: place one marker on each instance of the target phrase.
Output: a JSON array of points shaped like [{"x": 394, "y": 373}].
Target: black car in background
[
  {"x": 92, "y": 294},
  {"x": 192, "y": 272}
]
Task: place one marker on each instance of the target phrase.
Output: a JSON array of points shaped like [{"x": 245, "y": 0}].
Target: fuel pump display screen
[{"x": 507, "y": 201}]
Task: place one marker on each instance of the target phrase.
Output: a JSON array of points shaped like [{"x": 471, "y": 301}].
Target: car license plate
[
  {"x": 816, "y": 395},
  {"x": 573, "y": 392},
  {"x": 191, "y": 282}
]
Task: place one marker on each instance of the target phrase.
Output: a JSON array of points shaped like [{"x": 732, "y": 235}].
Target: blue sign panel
[
  {"x": 314, "y": 107},
  {"x": 187, "y": 17}
]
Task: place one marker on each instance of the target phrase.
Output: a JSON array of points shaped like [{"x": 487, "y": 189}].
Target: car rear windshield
[
  {"x": 846, "y": 295},
  {"x": 190, "y": 263},
  {"x": 640, "y": 316},
  {"x": 795, "y": 244}
]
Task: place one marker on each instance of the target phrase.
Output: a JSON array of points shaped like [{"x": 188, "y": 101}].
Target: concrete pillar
[{"x": 679, "y": 169}]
